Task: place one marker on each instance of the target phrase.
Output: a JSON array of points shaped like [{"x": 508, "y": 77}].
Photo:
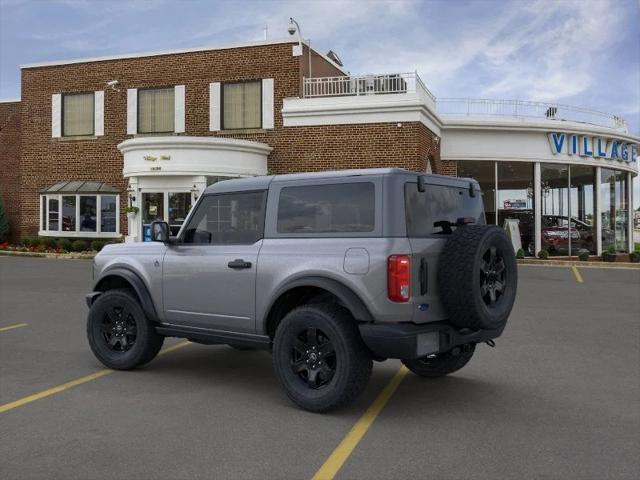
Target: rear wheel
[
  {"x": 441, "y": 364},
  {"x": 478, "y": 277},
  {"x": 319, "y": 357},
  {"x": 119, "y": 333}
]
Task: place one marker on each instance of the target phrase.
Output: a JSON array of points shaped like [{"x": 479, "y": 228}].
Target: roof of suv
[{"x": 263, "y": 182}]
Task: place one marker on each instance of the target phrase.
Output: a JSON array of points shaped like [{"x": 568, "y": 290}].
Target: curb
[
  {"x": 60, "y": 256},
  {"x": 571, "y": 263}
]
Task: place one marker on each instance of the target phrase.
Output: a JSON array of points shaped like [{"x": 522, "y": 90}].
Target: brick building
[{"x": 92, "y": 137}]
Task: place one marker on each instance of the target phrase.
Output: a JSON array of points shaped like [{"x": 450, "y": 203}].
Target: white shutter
[
  {"x": 214, "y": 106},
  {"x": 267, "y": 103},
  {"x": 56, "y": 115},
  {"x": 132, "y": 111},
  {"x": 98, "y": 113},
  {"x": 178, "y": 111}
]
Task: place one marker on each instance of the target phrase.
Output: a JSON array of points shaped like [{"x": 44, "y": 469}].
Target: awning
[{"x": 80, "y": 186}]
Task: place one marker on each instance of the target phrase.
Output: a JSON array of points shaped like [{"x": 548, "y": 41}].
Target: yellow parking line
[
  {"x": 11, "y": 327},
  {"x": 73, "y": 383},
  {"x": 334, "y": 463},
  {"x": 576, "y": 273}
]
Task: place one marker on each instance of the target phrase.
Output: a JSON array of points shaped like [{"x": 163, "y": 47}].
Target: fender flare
[
  {"x": 347, "y": 296},
  {"x": 138, "y": 285}
]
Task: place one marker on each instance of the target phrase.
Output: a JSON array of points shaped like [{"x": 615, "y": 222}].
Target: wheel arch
[
  {"x": 125, "y": 278},
  {"x": 296, "y": 292}
]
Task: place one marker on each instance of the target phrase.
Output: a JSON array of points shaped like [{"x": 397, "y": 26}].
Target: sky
[{"x": 582, "y": 52}]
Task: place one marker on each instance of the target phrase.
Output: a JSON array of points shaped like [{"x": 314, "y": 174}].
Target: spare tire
[{"x": 478, "y": 277}]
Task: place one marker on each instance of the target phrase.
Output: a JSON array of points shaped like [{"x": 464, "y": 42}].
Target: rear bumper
[{"x": 408, "y": 340}]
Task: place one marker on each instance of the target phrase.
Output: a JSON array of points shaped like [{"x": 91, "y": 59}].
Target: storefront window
[
  {"x": 88, "y": 213},
  {"x": 555, "y": 208},
  {"x": 515, "y": 201},
  {"x": 69, "y": 213},
  {"x": 54, "y": 213},
  {"x": 582, "y": 205},
  {"x": 485, "y": 173},
  {"x": 108, "y": 208},
  {"x": 614, "y": 210},
  {"x": 179, "y": 206}
]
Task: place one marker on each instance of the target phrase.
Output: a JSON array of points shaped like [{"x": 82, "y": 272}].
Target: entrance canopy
[{"x": 80, "y": 186}]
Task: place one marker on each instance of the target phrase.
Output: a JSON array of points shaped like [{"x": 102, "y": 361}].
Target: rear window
[
  {"x": 436, "y": 210},
  {"x": 335, "y": 208}
]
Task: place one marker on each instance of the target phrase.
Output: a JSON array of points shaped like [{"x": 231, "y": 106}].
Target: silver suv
[{"x": 328, "y": 271}]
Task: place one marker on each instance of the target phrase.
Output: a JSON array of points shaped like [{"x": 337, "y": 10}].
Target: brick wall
[
  {"x": 46, "y": 160},
  {"x": 10, "y": 163}
]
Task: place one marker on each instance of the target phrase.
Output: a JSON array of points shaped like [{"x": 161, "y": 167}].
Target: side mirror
[{"x": 160, "y": 232}]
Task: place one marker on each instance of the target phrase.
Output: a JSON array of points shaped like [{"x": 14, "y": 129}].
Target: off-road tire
[
  {"x": 352, "y": 362},
  {"x": 147, "y": 342},
  {"x": 441, "y": 364},
  {"x": 462, "y": 277}
]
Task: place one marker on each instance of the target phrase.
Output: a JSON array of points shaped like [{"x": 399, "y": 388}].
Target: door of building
[{"x": 170, "y": 207}]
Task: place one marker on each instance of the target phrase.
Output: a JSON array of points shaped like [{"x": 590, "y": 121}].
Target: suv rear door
[
  {"x": 209, "y": 275},
  {"x": 431, "y": 216}
]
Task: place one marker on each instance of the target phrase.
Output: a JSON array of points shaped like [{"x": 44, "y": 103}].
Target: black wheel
[
  {"x": 478, "y": 277},
  {"x": 319, "y": 357},
  {"x": 441, "y": 364},
  {"x": 119, "y": 333}
]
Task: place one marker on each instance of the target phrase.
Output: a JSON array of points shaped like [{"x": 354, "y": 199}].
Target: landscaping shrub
[
  {"x": 65, "y": 244},
  {"x": 27, "y": 242},
  {"x": 97, "y": 245},
  {"x": 520, "y": 253},
  {"x": 48, "y": 242},
  {"x": 634, "y": 257},
  {"x": 543, "y": 254},
  {"x": 79, "y": 246},
  {"x": 583, "y": 255}
]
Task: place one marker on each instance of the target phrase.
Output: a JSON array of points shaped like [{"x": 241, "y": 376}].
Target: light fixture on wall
[
  {"x": 293, "y": 28},
  {"x": 132, "y": 197}
]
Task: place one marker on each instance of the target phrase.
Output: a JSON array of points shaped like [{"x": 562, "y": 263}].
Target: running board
[{"x": 213, "y": 337}]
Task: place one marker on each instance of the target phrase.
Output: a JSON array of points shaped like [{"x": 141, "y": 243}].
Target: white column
[
  {"x": 597, "y": 224},
  {"x": 537, "y": 195},
  {"x": 630, "y": 211}
]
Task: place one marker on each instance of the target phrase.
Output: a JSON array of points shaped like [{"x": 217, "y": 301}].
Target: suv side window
[
  {"x": 333, "y": 208},
  {"x": 227, "y": 219}
]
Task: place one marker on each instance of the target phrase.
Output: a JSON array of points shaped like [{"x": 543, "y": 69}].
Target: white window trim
[
  {"x": 78, "y": 233},
  {"x": 215, "y": 112},
  {"x": 98, "y": 113},
  {"x": 267, "y": 103},
  {"x": 179, "y": 109},
  {"x": 132, "y": 111},
  {"x": 56, "y": 115}
]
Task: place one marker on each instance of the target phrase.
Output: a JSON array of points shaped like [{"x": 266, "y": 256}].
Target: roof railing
[
  {"x": 478, "y": 107},
  {"x": 372, "y": 84}
]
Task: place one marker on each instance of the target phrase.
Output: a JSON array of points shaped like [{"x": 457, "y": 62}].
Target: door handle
[{"x": 239, "y": 263}]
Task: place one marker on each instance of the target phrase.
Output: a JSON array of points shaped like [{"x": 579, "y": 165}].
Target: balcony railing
[
  {"x": 471, "y": 107},
  {"x": 357, "y": 85}
]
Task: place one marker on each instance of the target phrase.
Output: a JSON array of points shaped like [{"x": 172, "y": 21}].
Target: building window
[
  {"x": 242, "y": 105},
  {"x": 614, "y": 210},
  {"x": 79, "y": 215},
  {"x": 78, "y": 114},
  {"x": 582, "y": 205},
  {"x": 156, "y": 110},
  {"x": 516, "y": 202},
  {"x": 484, "y": 172}
]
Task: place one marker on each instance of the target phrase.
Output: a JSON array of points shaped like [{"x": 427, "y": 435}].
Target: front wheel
[
  {"x": 319, "y": 357},
  {"x": 119, "y": 333},
  {"x": 441, "y": 364}
]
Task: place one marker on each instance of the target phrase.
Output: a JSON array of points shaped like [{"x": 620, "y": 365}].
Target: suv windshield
[{"x": 436, "y": 210}]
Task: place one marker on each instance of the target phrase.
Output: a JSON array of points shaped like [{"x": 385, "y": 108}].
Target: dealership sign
[{"x": 588, "y": 146}]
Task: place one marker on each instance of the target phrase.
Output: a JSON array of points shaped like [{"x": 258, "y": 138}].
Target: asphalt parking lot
[{"x": 559, "y": 396}]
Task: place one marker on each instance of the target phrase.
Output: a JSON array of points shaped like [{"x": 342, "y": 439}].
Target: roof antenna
[{"x": 266, "y": 32}]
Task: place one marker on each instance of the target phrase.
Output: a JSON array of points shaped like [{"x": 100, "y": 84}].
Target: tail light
[{"x": 399, "y": 278}]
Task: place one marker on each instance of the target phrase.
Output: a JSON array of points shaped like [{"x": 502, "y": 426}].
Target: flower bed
[{"x": 55, "y": 246}]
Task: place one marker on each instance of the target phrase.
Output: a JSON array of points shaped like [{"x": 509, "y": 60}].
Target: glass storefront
[
  {"x": 568, "y": 202},
  {"x": 170, "y": 207},
  {"x": 614, "y": 210},
  {"x": 516, "y": 200}
]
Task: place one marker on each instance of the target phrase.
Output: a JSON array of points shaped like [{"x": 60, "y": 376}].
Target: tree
[{"x": 4, "y": 223}]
